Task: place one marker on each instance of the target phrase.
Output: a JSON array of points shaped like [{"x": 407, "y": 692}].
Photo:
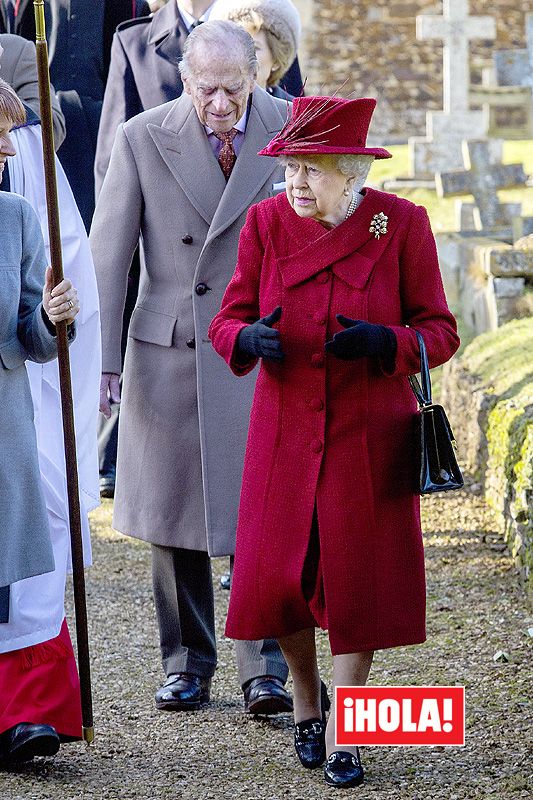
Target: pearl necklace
[{"x": 354, "y": 202}]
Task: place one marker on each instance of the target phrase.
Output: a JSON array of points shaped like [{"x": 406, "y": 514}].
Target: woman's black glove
[
  {"x": 261, "y": 340},
  {"x": 362, "y": 339}
]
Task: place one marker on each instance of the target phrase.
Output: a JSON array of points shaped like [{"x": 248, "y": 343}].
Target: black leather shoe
[
  {"x": 26, "y": 740},
  {"x": 225, "y": 581},
  {"x": 266, "y": 695},
  {"x": 183, "y": 692},
  {"x": 344, "y": 769},
  {"x": 310, "y": 742},
  {"x": 107, "y": 484}
]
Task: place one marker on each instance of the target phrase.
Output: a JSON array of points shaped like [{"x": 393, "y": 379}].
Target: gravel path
[{"x": 475, "y": 608}]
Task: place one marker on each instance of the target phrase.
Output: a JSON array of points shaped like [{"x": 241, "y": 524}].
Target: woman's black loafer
[
  {"x": 344, "y": 770},
  {"x": 310, "y": 742}
]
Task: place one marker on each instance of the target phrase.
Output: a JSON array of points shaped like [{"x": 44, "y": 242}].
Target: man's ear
[{"x": 186, "y": 85}]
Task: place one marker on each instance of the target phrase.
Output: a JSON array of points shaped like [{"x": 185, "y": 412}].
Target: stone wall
[
  {"x": 488, "y": 394},
  {"x": 373, "y": 44}
]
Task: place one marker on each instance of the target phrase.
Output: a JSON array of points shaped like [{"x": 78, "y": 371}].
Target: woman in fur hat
[{"x": 275, "y": 27}]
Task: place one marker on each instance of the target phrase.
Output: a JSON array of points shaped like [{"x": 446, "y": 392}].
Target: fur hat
[
  {"x": 278, "y": 18},
  {"x": 322, "y": 125}
]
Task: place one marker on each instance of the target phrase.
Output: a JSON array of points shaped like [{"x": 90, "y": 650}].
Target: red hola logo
[{"x": 400, "y": 715}]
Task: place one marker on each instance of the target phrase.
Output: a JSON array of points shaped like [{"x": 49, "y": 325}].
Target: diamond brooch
[{"x": 378, "y": 225}]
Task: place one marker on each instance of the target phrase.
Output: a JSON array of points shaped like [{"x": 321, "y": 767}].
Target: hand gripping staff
[{"x": 67, "y": 409}]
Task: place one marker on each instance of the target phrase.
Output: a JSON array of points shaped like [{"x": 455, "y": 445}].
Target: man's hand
[
  {"x": 261, "y": 340},
  {"x": 109, "y": 391}
]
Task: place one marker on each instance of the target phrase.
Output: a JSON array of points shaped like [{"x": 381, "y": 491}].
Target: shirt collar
[
  {"x": 189, "y": 20},
  {"x": 239, "y": 126}
]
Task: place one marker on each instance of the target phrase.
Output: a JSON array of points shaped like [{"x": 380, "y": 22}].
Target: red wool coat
[{"x": 333, "y": 434}]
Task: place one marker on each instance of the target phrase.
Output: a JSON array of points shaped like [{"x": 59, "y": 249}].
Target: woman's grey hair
[
  {"x": 352, "y": 165},
  {"x": 220, "y": 35},
  {"x": 280, "y": 21}
]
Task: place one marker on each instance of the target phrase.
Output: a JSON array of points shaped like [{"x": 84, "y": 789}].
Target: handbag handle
[{"x": 422, "y": 393}]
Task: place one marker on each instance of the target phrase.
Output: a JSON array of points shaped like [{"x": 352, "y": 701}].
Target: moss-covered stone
[{"x": 497, "y": 367}]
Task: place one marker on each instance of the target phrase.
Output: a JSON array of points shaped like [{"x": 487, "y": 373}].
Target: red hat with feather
[{"x": 322, "y": 125}]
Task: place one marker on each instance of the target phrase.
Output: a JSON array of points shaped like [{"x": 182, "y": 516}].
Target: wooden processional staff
[{"x": 67, "y": 409}]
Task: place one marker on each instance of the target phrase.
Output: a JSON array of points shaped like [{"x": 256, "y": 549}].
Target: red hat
[{"x": 322, "y": 125}]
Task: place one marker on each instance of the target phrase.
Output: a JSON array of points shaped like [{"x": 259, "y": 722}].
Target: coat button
[
  {"x": 316, "y": 404},
  {"x": 319, "y": 318},
  {"x": 191, "y": 343},
  {"x": 317, "y": 360},
  {"x": 187, "y": 239},
  {"x": 322, "y": 277},
  {"x": 202, "y": 288},
  {"x": 317, "y": 446}
]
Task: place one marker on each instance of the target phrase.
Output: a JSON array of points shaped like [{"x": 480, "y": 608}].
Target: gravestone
[
  {"x": 508, "y": 110},
  {"x": 482, "y": 179},
  {"x": 507, "y": 91},
  {"x": 445, "y": 130},
  {"x": 515, "y": 67}
]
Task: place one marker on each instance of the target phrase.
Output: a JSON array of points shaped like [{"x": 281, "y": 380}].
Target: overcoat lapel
[
  {"x": 350, "y": 249},
  {"x": 167, "y": 36},
  {"x": 251, "y": 171},
  {"x": 186, "y": 151}
]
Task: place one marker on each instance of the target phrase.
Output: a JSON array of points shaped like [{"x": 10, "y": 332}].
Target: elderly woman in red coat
[{"x": 331, "y": 282}]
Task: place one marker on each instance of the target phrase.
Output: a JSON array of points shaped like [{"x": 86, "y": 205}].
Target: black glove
[
  {"x": 362, "y": 339},
  {"x": 261, "y": 340}
]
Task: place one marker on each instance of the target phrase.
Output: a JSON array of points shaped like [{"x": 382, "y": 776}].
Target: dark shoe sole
[
  {"x": 347, "y": 784},
  {"x": 39, "y": 745},
  {"x": 268, "y": 706},
  {"x": 181, "y": 705}
]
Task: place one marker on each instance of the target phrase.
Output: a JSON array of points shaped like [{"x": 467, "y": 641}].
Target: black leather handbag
[{"x": 438, "y": 467}]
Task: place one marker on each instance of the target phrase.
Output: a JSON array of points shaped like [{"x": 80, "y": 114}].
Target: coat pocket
[{"x": 152, "y": 326}]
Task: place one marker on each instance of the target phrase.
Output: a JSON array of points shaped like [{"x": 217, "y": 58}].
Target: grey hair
[
  {"x": 278, "y": 19},
  {"x": 221, "y": 35},
  {"x": 355, "y": 166},
  {"x": 352, "y": 165}
]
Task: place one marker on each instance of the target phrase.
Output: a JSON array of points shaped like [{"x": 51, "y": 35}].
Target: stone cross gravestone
[
  {"x": 482, "y": 179},
  {"x": 515, "y": 67},
  {"x": 445, "y": 130}
]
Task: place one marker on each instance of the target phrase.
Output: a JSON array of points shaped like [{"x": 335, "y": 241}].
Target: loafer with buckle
[
  {"x": 344, "y": 769},
  {"x": 266, "y": 695},
  {"x": 26, "y": 740},
  {"x": 310, "y": 742},
  {"x": 183, "y": 692}
]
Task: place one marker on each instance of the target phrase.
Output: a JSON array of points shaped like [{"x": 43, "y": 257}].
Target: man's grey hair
[
  {"x": 350, "y": 164},
  {"x": 218, "y": 35}
]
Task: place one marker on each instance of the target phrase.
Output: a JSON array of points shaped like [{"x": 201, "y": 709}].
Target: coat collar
[
  {"x": 350, "y": 249},
  {"x": 164, "y": 22},
  {"x": 184, "y": 147}
]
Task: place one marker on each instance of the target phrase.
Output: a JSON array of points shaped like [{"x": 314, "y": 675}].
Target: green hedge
[{"x": 503, "y": 360}]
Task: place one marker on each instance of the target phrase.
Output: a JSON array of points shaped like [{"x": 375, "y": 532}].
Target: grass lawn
[{"x": 441, "y": 212}]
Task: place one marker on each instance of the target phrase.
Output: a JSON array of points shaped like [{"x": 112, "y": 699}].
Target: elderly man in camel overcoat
[{"x": 183, "y": 176}]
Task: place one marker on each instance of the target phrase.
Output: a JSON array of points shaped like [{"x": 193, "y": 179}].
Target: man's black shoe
[
  {"x": 183, "y": 692},
  {"x": 266, "y": 695},
  {"x": 26, "y": 740}
]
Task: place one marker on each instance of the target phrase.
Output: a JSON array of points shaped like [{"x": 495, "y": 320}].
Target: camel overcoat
[
  {"x": 184, "y": 417},
  {"x": 333, "y": 434},
  {"x": 25, "y": 546}
]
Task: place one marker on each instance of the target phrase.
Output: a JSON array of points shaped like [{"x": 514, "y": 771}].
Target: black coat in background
[
  {"x": 79, "y": 35},
  {"x": 144, "y": 73}
]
